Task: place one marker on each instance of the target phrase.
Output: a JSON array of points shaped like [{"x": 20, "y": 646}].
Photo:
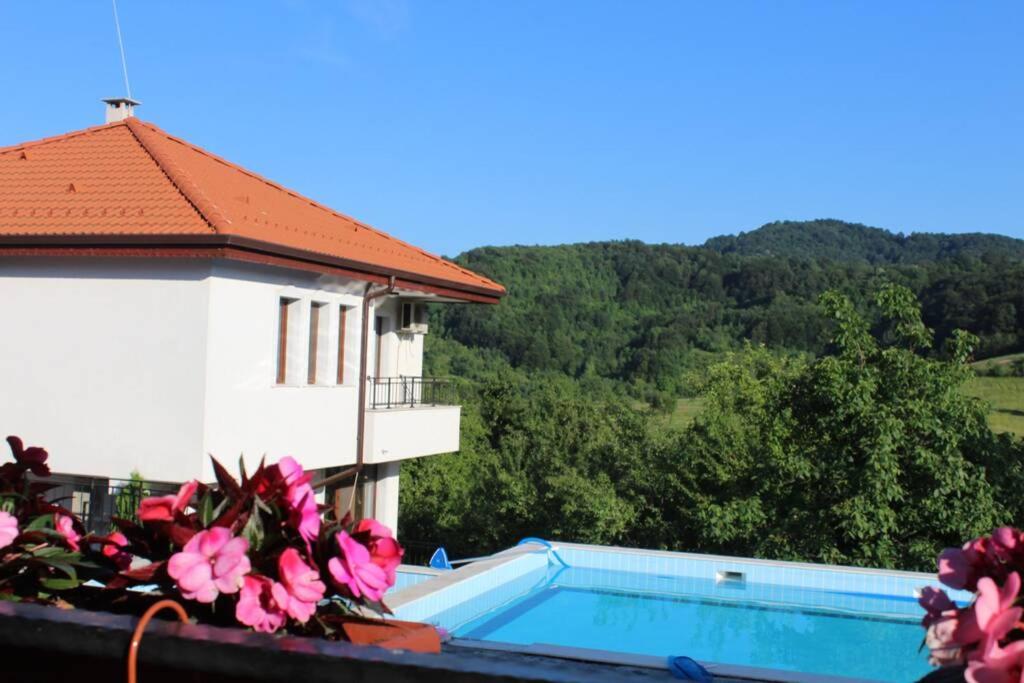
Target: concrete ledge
[{"x": 47, "y": 644}]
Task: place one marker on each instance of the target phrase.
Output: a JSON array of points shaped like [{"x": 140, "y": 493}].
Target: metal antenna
[{"x": 120, "y": 43}]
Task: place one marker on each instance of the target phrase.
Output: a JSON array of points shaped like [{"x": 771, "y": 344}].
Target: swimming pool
[{"x": 725, "y": 612}]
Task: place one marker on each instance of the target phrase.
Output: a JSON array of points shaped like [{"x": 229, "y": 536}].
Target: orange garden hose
[{"x": 133, "y": 648}]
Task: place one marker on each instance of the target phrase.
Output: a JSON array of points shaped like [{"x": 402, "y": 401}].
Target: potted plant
[{"x": 255, "y": 552}]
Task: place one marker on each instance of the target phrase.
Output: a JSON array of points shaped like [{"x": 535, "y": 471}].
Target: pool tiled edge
[{"x": 854, "y": 580}]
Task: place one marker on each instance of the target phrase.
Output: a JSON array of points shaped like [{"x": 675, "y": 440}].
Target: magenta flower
[
  {"x": 32, "y": 458},
  {"x": 955, "y": 569},
  {"x": 113, "y": 546},
  {"x": 304, "y": 512},
  {"x": 260, "y": 604},
  {"x": 211, "y": 563},
  {"x": 355, "y": 571},
  {"x": 163, "y": 508},
  {"x": 65, "y": 526},
  {"x": 302, "y": 583},
  {"x": 935, "y": 602},
  {"x": 8, "y": 529},
  {"x": 384, "y": 549}
]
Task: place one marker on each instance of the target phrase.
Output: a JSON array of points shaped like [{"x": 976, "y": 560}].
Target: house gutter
[{"x": 368, "y": 297}]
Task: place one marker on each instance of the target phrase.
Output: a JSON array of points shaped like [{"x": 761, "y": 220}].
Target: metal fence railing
[
  {"x": 95, "y": 500},
  {"x": 398, "y": 392}
]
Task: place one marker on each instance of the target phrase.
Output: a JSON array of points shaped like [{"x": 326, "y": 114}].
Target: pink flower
[
  {"x": 305, "y": 514},
  {"x": 384, "y": 549},
  {"x": 112, "y": 548},
  {"x": 994, "y": 610},
  {"x": 995, "y": 664},
  {"x": 302, "y": 583},
  {"x": 163, "y": 508},
  {"x": 355, "y": 571},
  {"x": 941, "y": 640},
  {"x": 211, "y": 563},
  {"x": 8, "y": 529},
  {"x": 260, "y": 604},
  {"x": 949, "y": 628},
  {"x": 65, "y": 526}
]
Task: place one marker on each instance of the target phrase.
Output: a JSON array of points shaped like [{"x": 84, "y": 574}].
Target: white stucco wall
[
  {"x": 102, "y": 363},
  {"x": 150, "y": 365},
  {"x": 386, "y": 496},
  {"x": 247, "y": 411},
  {"x": 402, "y": 433},
  {"x": 401, "y": 353}
]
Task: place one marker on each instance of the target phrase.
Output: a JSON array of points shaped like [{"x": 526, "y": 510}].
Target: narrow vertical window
[
  {"x": 378, "y": 329},
  {"x": 342, "y": 322},
  {"x": 314, "y": 341},
  {"x": 282, "y": 340}
]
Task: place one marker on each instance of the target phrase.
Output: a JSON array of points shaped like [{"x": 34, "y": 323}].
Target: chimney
[{"x": 120, "y": 108}]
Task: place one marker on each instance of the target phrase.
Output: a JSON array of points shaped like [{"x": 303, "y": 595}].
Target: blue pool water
[{"x": 758, "y": 625}]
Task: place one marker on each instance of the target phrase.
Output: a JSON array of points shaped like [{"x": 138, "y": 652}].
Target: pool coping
[
  {"x": 443, "y": 579},
  {"x": 416, "y": 569}
]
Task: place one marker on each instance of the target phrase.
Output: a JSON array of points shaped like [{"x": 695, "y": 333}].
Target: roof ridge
[
  {"x": 57, "y": 138},
  {"x": 152, "y": 128},
  {"x": 178, "y": 177}
]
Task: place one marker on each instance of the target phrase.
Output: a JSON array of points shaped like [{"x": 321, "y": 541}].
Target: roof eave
[{"x": 237, "y": 248}]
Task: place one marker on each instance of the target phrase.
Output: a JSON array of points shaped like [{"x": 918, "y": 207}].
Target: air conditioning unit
[{"x": 414, "y": 318}]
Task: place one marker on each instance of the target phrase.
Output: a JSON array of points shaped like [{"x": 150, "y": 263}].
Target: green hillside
[
  {"x": 841, "y": 241},
  {"x": 1005, "y": 395},
  {"x": 647, "y": 316}
]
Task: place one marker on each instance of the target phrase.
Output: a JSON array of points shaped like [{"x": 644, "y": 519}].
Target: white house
[{"x": 160, "y": 304}]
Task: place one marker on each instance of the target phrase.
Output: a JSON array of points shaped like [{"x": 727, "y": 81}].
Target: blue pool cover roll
[{"x": 688, "y": 669}]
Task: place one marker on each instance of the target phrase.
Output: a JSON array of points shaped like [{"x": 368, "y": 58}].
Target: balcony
[
  {"x": 410, "y": 417},
  {"x": 409, "y": 392}
]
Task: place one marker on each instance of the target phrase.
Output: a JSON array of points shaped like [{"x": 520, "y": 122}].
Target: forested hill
[
  {"x": 841, "y": 241},
  {"x": 648, "y": 314}
]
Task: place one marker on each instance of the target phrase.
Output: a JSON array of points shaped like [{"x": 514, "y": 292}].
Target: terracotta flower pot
[{"x": 392, "y": 634}]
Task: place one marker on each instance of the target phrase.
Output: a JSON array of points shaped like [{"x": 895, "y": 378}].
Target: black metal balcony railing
[{"x": 406, "y": 392}]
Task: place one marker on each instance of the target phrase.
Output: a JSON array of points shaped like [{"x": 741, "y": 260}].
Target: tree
[{"x": 869, "y": 455}]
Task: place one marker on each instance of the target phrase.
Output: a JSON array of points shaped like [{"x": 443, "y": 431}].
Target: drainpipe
[{"x": 368, "y": 297}]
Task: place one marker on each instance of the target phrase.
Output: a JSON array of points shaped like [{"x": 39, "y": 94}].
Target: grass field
[
  {"x": 989, "y": 363},
  {"x": 1004, "y": 394}
]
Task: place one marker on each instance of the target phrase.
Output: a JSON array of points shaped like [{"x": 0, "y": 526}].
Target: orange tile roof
[{"x": 131, "y": 182}]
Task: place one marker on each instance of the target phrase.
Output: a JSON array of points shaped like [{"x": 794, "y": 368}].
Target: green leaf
[
  {"x": 253, "y": 530},
  {"x": 206, "y": 512},
  {"x": 62, "y": 567},
  {"x": 60, "y": 584},
  {"x": 39, "y": 523}
]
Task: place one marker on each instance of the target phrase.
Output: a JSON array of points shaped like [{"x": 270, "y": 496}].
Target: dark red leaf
[
  {"x": 180, "y": 535},
  {"x": 258, "y": 479},
  {"x": 227, "y": 483},
  {"x": 133, "y": 576}
]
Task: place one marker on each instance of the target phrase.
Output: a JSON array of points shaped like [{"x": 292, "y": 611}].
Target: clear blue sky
[{"x": 455, "y": 124}]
